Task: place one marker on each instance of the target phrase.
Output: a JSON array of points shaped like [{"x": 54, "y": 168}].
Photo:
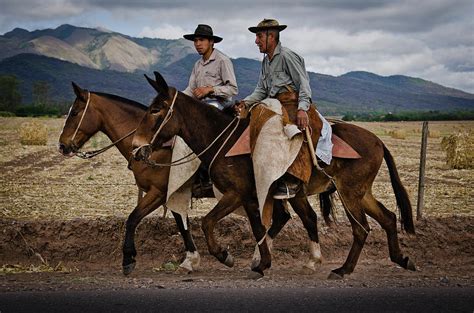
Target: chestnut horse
[
  {"x": 116, "y": 117},
  {"x": 173, "y": 113}
]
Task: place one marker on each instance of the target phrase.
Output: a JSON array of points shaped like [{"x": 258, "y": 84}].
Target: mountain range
[{"x": 107, "y": 61}]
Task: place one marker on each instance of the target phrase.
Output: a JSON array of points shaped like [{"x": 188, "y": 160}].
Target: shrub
[{"x": 33, "y": 133}]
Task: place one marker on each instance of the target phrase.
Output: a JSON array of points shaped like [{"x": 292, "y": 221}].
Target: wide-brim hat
[
  {"x": 267, "y": 24},
  {"x": 204, "y": 31}
]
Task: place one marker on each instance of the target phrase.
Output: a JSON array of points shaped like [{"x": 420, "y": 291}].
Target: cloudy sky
[{"x": 431, "y": 39}]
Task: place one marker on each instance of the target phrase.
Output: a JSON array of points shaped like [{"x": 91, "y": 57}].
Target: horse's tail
[
  {"x": 326, "y": 205},
  {"x": 403, "y": 201}
]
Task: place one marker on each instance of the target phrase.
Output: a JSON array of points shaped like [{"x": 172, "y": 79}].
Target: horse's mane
[
  {"x": 122, "y": 99},
  {"x": 226, "y": 111}
]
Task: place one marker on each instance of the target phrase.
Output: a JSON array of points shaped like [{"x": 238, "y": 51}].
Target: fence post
[{"x": 421, "y": 177}]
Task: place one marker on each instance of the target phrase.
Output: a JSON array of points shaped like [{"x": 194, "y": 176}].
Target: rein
[
  {"x": 180, "y": 161},
  {"x": 91, "y": 154}
]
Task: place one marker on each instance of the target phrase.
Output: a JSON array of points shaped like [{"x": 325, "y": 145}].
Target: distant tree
[
  {"x": 10, "y": 97},
  {"x": 41, "y": 93}
]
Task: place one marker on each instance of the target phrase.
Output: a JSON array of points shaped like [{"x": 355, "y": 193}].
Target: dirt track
[{"x": 90, "y": 253}]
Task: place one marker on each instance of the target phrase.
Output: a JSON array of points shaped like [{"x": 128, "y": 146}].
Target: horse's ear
[
  {"x": 80, "y": 93},
  {"x": 160, "y": 81},
  {"x": 152, "y": 83}
]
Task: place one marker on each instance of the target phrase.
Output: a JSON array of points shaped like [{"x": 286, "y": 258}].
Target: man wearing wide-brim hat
[
  {"x": 212, "y": 79},
  {"x": 283, "y": 76}
]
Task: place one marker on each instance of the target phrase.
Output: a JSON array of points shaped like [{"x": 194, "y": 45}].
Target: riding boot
[
  {"x": 202, "y": 187},
  {"x": 287, "y": 187}
]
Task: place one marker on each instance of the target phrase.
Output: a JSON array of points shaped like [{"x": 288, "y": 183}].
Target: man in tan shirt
[{"x": 212, "y": 79}]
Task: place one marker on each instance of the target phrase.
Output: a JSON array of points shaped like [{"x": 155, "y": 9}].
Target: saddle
[{"x": 340, "y": 149}]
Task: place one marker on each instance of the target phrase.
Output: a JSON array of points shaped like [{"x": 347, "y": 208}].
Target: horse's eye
[
  {"x": 155, "y": 110},
  {"x": 73, "y": 113}
]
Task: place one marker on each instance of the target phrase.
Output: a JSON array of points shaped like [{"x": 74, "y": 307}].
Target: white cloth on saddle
[
  {"x": 271, "y": 139},
  {"x": 273, "y": 153},
  {"x": 180, "y": 180},
  {"x": 324, "y": 147}
]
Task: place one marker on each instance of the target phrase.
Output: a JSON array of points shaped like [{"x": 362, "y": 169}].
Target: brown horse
[
  {"x": 116, "y": 117},
  {"x": 172, "y": 113}
]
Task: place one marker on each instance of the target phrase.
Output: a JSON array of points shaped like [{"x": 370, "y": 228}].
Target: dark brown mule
[
  {"x": 198, "y": 125},
  {"x": 232, "y": 176},
  {"x": 116, "y": 117},
  {"x": 354, "y": 179}
]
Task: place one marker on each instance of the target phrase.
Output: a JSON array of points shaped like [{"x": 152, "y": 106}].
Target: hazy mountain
[
  {"x": 107, "y": 61},
  {"x": 95, "y": 48},
  {"x": 354, "y": 91}
]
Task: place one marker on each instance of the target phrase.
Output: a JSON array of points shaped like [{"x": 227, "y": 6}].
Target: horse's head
[
  {"x": 81, "y": 123},
  {"x": 160, "y": 123}
]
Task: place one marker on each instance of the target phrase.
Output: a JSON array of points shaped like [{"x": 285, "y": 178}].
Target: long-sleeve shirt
[
  {"x": 217, "y": 72},
  {"x": 286, "y": 68}
]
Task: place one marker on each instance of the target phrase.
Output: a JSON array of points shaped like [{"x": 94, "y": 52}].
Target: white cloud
[{"x": 165, "y": 31}]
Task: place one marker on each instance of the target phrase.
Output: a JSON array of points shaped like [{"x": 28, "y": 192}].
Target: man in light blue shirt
[{"x": 283, "y": 76}]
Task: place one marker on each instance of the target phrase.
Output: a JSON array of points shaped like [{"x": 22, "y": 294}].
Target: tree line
[
  {"x": 42, "y": 103},
  {"x": 410, "y": 116}
]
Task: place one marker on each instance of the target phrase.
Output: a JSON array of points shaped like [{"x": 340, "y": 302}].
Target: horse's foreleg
[
  {"x": 279, "y": 219},
  {"x": 388, "y": 221},
  {"x": 310, "y": 221},
  {"x": 228, "y": 203},
  {"x": 259, "y": 232},
  {"x": 152, "y": 200},
  {"x": 193, "y": 258},
  {"x": 360, "y": 229}
]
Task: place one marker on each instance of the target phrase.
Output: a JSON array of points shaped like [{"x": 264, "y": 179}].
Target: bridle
[
  {"x": 168, "y": 116},
  {"x": 82, "y": 117},
  {"x": 183, "y": 160},
  {"x": 91, "y": 154}
]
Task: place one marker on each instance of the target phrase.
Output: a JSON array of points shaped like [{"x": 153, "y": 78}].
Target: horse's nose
[{"x": 63, "y": 149}]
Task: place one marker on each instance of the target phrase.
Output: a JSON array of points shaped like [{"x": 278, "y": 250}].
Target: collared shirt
[
  {"x": 286, "y": 68},
  {"x": 217, "y": 72}
]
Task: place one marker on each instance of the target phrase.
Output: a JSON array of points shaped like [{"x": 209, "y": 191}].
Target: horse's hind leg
[
  {"x": 152, "y": 200},
  {"x": 228, "y": 203},
  {"x": 388, "y": 221},
  {"x": 192, "y": 259},
  {"x": 360, "y": 231}
]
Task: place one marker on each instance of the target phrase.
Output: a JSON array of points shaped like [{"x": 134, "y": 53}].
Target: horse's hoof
[
  {"x": 127, "y": 269},
  {"x": 255, "y": 275},
  {"x": 229, "y": 260},
  {"x": 335, "y": 276},
  {"x": 411, "y": 266},
  {"x": 183, "y": 270},
  {"x": 255, "y": 263}
]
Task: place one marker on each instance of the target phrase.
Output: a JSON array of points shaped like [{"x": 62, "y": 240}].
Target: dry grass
[
  {"x": 38, "y": 183},
  {"x": 33, "y": 133},
  {"x": 398, "y": 134},
  {"x": 459, "y": 150}
]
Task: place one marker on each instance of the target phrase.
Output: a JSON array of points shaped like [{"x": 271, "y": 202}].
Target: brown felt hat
[
  {"x": 204, "y": 31},
  {"x": 267, "y": 24}
]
